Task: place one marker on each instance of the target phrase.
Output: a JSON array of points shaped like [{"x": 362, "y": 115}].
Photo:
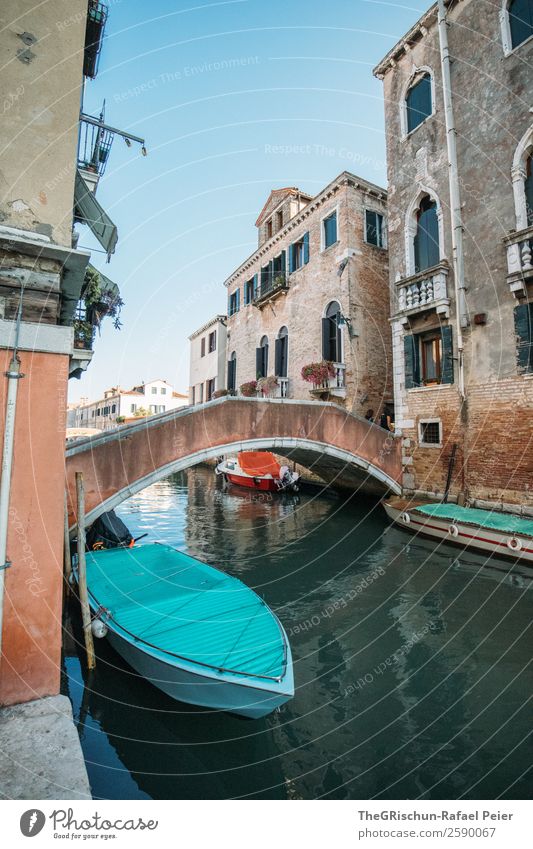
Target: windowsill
[
  {"x": 412, "y": 132},
  {"x": 518, "y": 46},
  {"x": 431, "y": 388},
  {"x": 430, "y": 445},
  {"x": 378, "y": 247},
  {"x": 329, "y": 247}
]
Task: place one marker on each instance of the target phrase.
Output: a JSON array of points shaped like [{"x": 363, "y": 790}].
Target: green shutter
[
  {"x": 412, "y": 370},
  {"x": 325, "y": 339},
  {"x": 306, "y": 248},
  {"x": 447, "y": 355},
  {"x": 256, "y": 286},
  {"x": 283, "y": 263},
  {"x": 291, "y": 259},
  {"x": 523, "y": 321}
]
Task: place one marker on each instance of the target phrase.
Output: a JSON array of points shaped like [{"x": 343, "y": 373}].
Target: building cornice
[
  {"x": 346, "y": 178},
  {"x": 218, "y": 319}
]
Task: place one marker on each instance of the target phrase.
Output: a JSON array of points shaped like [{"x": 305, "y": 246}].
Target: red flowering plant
[
  {"x": 248, "y": 390},
  {"x": 319, "y": 373}
]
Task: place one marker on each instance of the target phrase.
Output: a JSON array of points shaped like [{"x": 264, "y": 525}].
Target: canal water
[{"x": 412, "y": 664}]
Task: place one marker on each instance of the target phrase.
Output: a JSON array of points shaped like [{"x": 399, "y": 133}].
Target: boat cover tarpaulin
[
  {"x": 259, "y": 463},
  {"x": 503, "y": 522},
  {"x": 174, "y": 605}
]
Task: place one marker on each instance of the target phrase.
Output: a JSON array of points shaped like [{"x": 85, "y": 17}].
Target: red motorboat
[{"x": 258, "y": 470}]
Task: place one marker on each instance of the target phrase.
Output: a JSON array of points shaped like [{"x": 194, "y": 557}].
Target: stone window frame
[
  {"x": 333, "y": 209},
  {"x": 518, "y": 177},
  {"x": 418, "y": 71},
  {"x": 505, "y": 25},
  {"x": 426, "y": 421},
  {"x": 384, "y": 233},
  {"x": 411, "y": 226}
]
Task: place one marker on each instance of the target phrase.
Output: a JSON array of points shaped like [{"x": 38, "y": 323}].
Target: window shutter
[
  {"x": 256, "y": 285},
  {"x": 259, "y": 362},
  {"x": 270, "y": 279},
  {"x": 447, "y": 355},
  {"x": 339, "y": 337},
  {"x": 283, "y": 262},
  {"x": 325, "y": 339},
  {"x": 291, "y": 259},
  {"x": 412, "y": 370},
  {"x": 306, "y": 248},
  {"x": 238, "y": 300},
  {"x": 278, "y": 349},
  {"x": 523, "y": 316}
]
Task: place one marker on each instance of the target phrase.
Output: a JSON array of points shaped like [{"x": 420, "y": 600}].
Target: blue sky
[{"x": 234, "y": 99}]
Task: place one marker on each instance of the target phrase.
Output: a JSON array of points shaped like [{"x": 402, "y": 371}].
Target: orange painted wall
[{"x": 31, "y": 652}]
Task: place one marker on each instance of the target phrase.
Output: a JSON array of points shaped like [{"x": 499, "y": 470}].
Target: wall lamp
[{"x": 344, "y": 321}]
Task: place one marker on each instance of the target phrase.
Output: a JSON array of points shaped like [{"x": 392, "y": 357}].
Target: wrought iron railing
[{"x": 271, "y": 284}]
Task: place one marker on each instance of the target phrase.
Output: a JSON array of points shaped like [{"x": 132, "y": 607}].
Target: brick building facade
[
  {"x": 491, "y": 75},
  {"x": 316, "y": 289}
]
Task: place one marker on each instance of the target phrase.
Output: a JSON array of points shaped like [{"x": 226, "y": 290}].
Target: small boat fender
[
  {"x": 453, "y": 530},
  {"x": 405, "y": 517},
  {"x": 514, "y": 544}
]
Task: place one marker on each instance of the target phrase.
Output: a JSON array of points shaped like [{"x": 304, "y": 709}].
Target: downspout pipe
[
  {"x": 13, "y": 375},
  {"x": 455, "y": 194}
]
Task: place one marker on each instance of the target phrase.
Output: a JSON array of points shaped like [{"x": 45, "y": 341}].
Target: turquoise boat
[{"x": 196, "y": 633}]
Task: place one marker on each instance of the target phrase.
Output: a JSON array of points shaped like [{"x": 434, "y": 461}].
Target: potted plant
[
  {"x": 99, "y": 302},
  {"x": 267, "y": 385},
  {"x": 83, "y": 334},
  {"x": 120, "y": 419},
  {"x": 279, "y": 281},
  {"x": 318, "y": 374},
  {"x": 249, "y": 389}
]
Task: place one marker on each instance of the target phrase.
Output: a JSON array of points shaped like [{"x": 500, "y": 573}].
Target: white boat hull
[
  {"x": 487, "y": 540},
  {"x": 249, "y": 697}
]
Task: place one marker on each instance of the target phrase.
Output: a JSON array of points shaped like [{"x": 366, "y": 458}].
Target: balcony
[
  {"x": 94, "y": 35},
  {"x": 270, "y": 289},
  {"x": 334, "y": 386},
  {"x": 282, "y": 389},
  {"x": 94, "y": 147},
  {"x": 519, "y": 248},
  {"x": 424, "y": 291}
]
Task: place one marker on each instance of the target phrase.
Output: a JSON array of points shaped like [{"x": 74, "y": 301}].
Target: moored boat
[
  {"x": 198, "y": 634},
  {"x": 488, "y": 531},
  {"x": 259, "y": 470}
]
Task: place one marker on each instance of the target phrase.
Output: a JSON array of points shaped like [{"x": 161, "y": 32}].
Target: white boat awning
[{"x": 89, "y": 211}]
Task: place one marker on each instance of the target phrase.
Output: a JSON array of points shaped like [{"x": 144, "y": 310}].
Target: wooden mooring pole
[{"x": 82, "y": 572}]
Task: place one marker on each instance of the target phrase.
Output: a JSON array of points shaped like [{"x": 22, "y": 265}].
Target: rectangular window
[
  {"x": 154, "y": 388},
  {"x": 418, "y": 103},
  {"x": 233, "y": 306},
  {"x": 133, "y": 408},
  {"x": 202, "y": 347},
  {"x": 523, "y": 322},
  {"x": 430, "y": 432},
  {"x": 329, "y": 225},
  {"x": 212, "y": 341},
  {"x": 210, "y": 388},
  {"x": 200, "y": 393},
  {"x": 114, "y": 408},
  {"x": 299, "y": 253},
  {"x": 163, "y": 390},
  {"x": 279, "y": 220},
  {"x": 249, "y": 291},
  {"x": 429, "y": 358},
  {"x": 374, "y": 230},
  {"x": 269, "y": 229}
]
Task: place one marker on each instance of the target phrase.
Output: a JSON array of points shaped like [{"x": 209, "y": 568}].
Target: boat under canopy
[{"x": 200, "y": 635}]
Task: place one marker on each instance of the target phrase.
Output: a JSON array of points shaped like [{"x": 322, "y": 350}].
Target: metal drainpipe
[
  {"x": 455, "y": 194},
  {"x": 13, "y": 376}
]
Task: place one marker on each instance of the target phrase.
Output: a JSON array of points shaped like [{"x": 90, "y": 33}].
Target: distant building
[
  {"x": 315, "y": 290},
  {"x": 156, "y": 396},
  {"x": 208, "y": 360},
  {"x": 463, "y": 342}
]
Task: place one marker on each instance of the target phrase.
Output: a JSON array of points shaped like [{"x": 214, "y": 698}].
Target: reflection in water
[{"x": 411, "y": 663}]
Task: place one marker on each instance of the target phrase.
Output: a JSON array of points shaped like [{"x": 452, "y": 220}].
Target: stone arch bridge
[{"x": 343, "y": 449}]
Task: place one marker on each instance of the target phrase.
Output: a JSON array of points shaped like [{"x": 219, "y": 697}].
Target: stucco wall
[
  {"x": 30, "y": 666},
  {"x": 41, "y": 104}
]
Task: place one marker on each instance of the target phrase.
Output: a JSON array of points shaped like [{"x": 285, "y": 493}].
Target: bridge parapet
[{"x": 344, "y": 449}]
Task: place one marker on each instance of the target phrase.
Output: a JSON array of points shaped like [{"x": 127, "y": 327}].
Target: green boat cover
[
  {"x": 504, "y": 522},
  {"x": 181, "y": 607}
]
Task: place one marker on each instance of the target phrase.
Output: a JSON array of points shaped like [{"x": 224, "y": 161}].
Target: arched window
[
  {"x": 261, "y": 358},
  {"x": 418, "y": 102},
  {"x": 426, "y": 244},
  {"x": 331, "y": 334},
  {"x": 282, "y": 353},
  {"x": 232, "y": 372},
  {"x": 520, "y": 14}
]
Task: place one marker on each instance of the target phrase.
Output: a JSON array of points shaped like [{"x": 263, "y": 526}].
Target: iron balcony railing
[
  {"x": 94, "y": 146},
  {"x": 94, "y": 35},
  {"x": 271, "y": 285}
]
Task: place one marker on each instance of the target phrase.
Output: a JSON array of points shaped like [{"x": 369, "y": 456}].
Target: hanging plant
[
  {"x": 100, "y": 303},
  {"x": 319, "y": 373}
]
